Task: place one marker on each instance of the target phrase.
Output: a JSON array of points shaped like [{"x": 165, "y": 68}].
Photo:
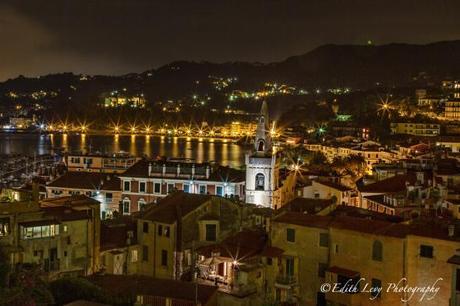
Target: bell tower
[
  {"x": 261, "y": 165},
  {"x": 262, "y": 142}
]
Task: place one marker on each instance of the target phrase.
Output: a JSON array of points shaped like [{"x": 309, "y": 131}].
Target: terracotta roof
[
  {"x": 63, "y": 213},
  {"x": 71, "y": 201},
  {"x": 424, "y": 228},
  {"x": 393, "y": 184},
  {"x": 88, "y": 181},
  {"x": 134, "y": 285},
  {"x": 168, "y": 209},
  {"x": 337, "y": 186},
  {"x": 303, "y": 205},
  {"x": 356, "y": 212},
  {"x": 242, "y": 245}
]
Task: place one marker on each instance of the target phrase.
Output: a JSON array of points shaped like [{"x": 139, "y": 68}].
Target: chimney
[
  {"x": 451, "y": 230},
  {"x": 178, "y": 170},
  {"x": 150, "y": 169},
  {"x": 208, "y": 171},
  {"x": 164, "y": 169}
]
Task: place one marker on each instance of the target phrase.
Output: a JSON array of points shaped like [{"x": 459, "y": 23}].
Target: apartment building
[{"x": 150, "y": 180}]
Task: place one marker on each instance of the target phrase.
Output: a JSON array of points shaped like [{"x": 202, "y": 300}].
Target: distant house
[
  {"x": 150, "y": 180},
  {"x": 102, "y": 187}
]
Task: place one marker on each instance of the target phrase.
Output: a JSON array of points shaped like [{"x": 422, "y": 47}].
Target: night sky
[{"x": 114, "y": 36}]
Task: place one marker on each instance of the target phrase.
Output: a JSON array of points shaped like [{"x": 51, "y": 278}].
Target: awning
[
  {"x": 343, "y": 272},
  {"x": 454, "y": 260}
]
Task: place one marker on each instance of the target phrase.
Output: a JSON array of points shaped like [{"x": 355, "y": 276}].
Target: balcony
[
  {"x": 285, "y": 281},
  {"x": 51, "y": 266}
]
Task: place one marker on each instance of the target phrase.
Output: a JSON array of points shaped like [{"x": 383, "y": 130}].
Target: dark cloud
[{"x": 118, "y": 36}]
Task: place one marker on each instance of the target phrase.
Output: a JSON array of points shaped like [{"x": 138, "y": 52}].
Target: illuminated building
[{"x": 264, "y": 185}]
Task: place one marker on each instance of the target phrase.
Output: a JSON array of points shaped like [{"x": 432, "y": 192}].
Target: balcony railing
[
  {"x": 50, "y": 266},
  {"x": 286, "y": 279}
]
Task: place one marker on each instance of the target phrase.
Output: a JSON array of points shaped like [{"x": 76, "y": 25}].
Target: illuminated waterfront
[{"x": 221, "y": 150}]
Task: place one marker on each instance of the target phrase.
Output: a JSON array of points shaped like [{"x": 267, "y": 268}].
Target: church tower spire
[{"x": 263, "y": 143}]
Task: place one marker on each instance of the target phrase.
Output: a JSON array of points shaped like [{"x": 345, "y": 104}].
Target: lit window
[{"x": 134, "y": 256}]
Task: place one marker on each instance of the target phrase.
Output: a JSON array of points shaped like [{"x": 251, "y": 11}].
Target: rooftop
[
  {"x": 70, "y": 201},
  {"x": 87, "y": 181},
  {"x": 218, "y": 174},
  {"x": 424, "y": 228},
  {"x": 303, "y": 205},
  {"x": 135, "y": 285},
  {"x": 175, "y": 205}
]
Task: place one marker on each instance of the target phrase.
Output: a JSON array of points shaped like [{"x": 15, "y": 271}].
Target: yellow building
[
  {"x": 417, "y": 129},
  {"x": 105, "y": 188},
  {"x": 115, "y": 163},
  {"x": 170, "y": 231},
  {"x": 452, "y": 109},
  {"x": 369, "y": 255},
  {"x": 60, "y": 235}
]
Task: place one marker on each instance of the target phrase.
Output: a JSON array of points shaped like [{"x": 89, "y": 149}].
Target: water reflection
[{"x": 222, "y": 151}]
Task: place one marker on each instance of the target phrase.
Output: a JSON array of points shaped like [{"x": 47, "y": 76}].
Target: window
[
  {"x": 157, "y": 188},
  {"x": 170, "y": 188},
  {"x": 166, "y": 232},
  {"x": 202, "y": 189},
  {"x": 186, "y": 188},
  {"x": 127, "y": 186},
  {"x": 290, "y": 235},
  {"x": 377, "y": 251},
  {"x": 261, "y": 146},
  {"x": 426, "y": 251},
  {"x": 140, "y": 204},
  {"x": 290, "y": 266},
  {"x": 142, "y": 187},
  {"x": 322, "y": 269},
  {"x": 4, "y": 227},
  {"x": 164, "y": 258},
  {"x": 220, "y": 191},
  {"x": 134, "y": 256},
  {"x": 108, "y": 197},
  {"x": 40, "y": 231},
  {"x": 269, "y": 261},
  {"x": 348, "y": 282},
  {"x": 145, "y": 227},
  {"x": 145, "y": 253},
  {"x": 375, "y": 288},
  {"x": 324, "y": 239},
  {"x": 160, "y": 230},
  {"x": 260, "y": 181},
  {"x": 211, "y": 232},
  {"x": 126, "y": 205}
]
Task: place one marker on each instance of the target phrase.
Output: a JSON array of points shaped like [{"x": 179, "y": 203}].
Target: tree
[{"x": 23, "y": 286}]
